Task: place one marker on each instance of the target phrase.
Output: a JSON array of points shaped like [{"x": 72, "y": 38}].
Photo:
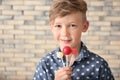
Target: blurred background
[{"x": 25, "y": 35}]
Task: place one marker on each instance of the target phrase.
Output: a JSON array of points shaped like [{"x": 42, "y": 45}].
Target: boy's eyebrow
[
  {"x": 71, "y": 22},
  {"x": 57, "y": 23}
]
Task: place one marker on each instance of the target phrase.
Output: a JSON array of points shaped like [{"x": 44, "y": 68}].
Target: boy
[{"x": 68, "y": 22}]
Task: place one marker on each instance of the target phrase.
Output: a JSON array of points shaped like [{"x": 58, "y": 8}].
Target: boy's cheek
[{"x": 55, "y": 37}]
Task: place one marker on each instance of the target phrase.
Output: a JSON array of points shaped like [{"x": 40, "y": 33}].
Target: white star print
[
  {"x": 47, "y": 64},
  {"x": 41, "y": 74},
  {"x": 92, "y": 65},
  {"x": 92, "y": 73},
  {"x": 83, "y": 66},
  {"x": 93, "y": 58},
  {"x": 87, "y": 69},
  {"x": 51, "y": 67},
  {"x": 97, "y": 61},
  {"x": 60, "y": 61},
  {"x": 88, "y": 77},
  {"x": 97, "y": 69},
  {"x": 82, "y": 74},
  {"x": 88, "y": 62},
  {"x": 77, "y": 78},
  {"x": 78, "y": 70},
  {"x": 84, "y": 50}
]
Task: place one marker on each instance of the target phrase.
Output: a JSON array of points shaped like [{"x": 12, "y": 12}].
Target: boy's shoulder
[
  {"x": 89, "y": 53},
  {"x": 51, "y": 55},
  {"x": 97, "y": 58},
  {"x": 91, "y": 56}
]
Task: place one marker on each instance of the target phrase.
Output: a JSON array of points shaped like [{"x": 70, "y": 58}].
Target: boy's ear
[{"x": 85, "y": 26}]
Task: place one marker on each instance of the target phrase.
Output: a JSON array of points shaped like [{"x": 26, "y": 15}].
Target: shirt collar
[{"x": 84, "y": 52}]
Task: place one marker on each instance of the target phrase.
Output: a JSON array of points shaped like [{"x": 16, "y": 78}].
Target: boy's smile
[{"x": 67, "y": 30}]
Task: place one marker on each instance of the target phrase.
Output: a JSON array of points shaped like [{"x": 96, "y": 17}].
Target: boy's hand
[{"x": 63, "y": 73}]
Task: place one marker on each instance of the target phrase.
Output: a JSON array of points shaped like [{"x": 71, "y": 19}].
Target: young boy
[{"x": 68, "y": 22}]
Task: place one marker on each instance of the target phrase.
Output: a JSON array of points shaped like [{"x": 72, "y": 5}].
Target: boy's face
[{"x": 67, "y": 30}]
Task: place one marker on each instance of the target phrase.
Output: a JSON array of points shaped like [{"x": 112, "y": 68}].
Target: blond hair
[{"x": 64, "y": 7}]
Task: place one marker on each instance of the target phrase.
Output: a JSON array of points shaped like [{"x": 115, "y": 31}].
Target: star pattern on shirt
[{"x": 88, "y": 66}]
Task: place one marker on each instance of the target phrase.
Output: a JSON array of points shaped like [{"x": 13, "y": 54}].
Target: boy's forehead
[
  {"x": 71, "y": 14},
  {"x": 73, "y": 17}
]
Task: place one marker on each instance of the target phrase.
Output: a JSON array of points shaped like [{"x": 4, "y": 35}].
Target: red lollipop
[{"x": 67, "y": 50}]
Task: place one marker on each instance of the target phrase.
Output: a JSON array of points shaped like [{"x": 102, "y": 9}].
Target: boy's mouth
[{"x": 66, "y": 41}]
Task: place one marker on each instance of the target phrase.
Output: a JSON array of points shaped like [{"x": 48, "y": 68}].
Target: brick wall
[{"x": 25, "y": 36}]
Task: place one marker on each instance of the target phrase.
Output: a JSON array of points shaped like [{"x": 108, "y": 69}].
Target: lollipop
[
  {"x": 67, "y": 51},
  {"x": 60, "y": 55}
]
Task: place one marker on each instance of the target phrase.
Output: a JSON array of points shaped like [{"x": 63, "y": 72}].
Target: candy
[
  {"x": 67, "y": 50},
  {"x": 59, "y": 54}
]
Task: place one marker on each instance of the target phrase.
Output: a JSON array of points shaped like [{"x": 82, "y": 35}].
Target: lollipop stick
[
  {"x": 67, "y": 61},
  {"x": 63, "y": 62},
  {"x": 71, "y": 60}
]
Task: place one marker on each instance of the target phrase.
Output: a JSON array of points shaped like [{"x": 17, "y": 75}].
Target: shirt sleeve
[
  {"x": 40, "y": 72},
  {"x": 43, "y": 71},
  {"x": 105, "y": 72}
]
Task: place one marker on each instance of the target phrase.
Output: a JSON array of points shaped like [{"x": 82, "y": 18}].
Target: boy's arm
[
  {"x": 39, "y": 73},
  {"x": 105, "y": 72},
  {"x": 42, "y": 72}
]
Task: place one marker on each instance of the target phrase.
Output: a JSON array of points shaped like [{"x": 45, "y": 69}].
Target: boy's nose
[{"x": 64, "y": 31}]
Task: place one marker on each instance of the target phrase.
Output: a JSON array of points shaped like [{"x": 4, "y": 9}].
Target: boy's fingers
[
  {"x": 66, "y": 68},
  {"x": 63, "y": 73}
]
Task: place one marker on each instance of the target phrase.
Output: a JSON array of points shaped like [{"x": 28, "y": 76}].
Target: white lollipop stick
[{"x": 60, "y": 55}]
